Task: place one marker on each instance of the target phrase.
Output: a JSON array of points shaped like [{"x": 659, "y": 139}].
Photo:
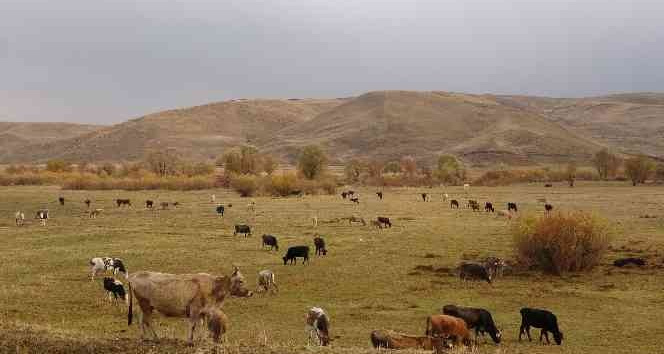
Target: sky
[{"x": 106, "y": 61}]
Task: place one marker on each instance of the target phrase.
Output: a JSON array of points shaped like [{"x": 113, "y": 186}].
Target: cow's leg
[
  {"x": 522, "y": 330},
  {"x": 546, "y": 335},
  {"x": 528, "y": 333},
  {"x": 193, "y": 320},
  {"x": 146, "y": 319}
]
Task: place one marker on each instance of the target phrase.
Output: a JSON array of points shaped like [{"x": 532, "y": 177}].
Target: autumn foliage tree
[
  {"x": 606, "y": 163},
  {"x": 639, "y": 168},
  {"x": 312, "y": 162}
]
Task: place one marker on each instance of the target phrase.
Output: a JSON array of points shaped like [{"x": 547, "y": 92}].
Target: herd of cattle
[{"x": 199, "y": 297}]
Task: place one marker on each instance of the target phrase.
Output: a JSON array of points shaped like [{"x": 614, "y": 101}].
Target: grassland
[{"x": 370, "y": 279}]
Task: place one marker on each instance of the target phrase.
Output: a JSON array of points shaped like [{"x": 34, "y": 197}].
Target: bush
[
  {"x": 311, "y": 162},
  {"x": 282, "y": 185},
  {"x": 560, "y": 242},
  {"x": 245, "y": 185}
]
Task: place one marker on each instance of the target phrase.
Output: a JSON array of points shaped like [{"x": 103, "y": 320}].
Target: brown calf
[{"x": 448, "y": 326}]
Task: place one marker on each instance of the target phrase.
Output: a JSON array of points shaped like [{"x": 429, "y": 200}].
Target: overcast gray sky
[{"x": 105, "y": 61}]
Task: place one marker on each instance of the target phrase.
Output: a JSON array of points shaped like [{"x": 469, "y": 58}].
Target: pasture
[{"x": 370, "y": 279}]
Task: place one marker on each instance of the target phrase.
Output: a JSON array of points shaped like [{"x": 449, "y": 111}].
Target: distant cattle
[
  {"x": 445, "y": 197},
  {"x": 448, "y": 326},
  {"x": 296, "y": 252},
  {"x": 87, "y": 203},
  {"x": 164, "y": 205},
  {"x": 220, "y": 210},
  {"x": 42, "y": 215},
  {"x": 114, "y": 289},
  {"x": 512, "y": 207},
  {"x": 149, "y": 204},
  {"x": 384, "y": 221},
  {"x": 61, "y": 200},
  {"x": 317, "y": 324},
  {"x": 474, "y": 271},
  {"x": 454, "y": 204},
  {"x": 99, "y": 265},
  {"x": 319, "y": 242},
  {"x": 344, "y": 195},
  {"x": 548, "y": 208},
  {"x": 480, "y": 319},
  {"x": 356, "y": 219},
  {"x": 543, "y": 319},
  {"x": 270, "y": 241},
  {"x": 355, "y": 199},
  {"x": 20, "y": 218},
  {"x": 379, "y": 195},
  {"x": 121, "y": 202},
  {"x": 466, "y": 187},
  {"x": 266, "y": 281},
  {"x": 473, "y": 204},
  {"x": 387, "y": 339},
  {"x": 622, "y": 262},
  {"x": 488, "y": 207},
  {"x": 251, "y": 206},
  {"x": 548, "y": 185},
  {"x": 213, "y": 198},
  {"x": 95, "y": 212},
  {"x": 425, "y": 197},
  {"x": 242, "y": 229}
]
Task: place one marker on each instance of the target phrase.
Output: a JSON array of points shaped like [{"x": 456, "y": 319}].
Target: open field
[{"x": 367, "y": 281}]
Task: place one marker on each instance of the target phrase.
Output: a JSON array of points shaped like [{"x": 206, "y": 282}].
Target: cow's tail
[
  {"x": 426, "y": 331},
  {"x": 130, "y": 312}
]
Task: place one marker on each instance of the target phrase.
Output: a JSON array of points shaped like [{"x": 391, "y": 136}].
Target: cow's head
[
  {"x": 495, "y": 335},
  {"x": 558, "y": 337},
  {"x": 237, "y": 286}
]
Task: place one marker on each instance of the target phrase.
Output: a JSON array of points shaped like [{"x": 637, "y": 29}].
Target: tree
[
  {"x": 571, "y": 173},
  {"x": 163, "y": 163},
  {"x": 311, "y": 162},
  {"x": 639, "y": 168},
  {"x": 353, "y": 170},
  {"x": 392, "y": 167},
  {"x": 242, "y": 160},
  {"x": 606, "y": 163},
  {"x": 58, "y": 166},
  {"x": 449, "y": 170}
]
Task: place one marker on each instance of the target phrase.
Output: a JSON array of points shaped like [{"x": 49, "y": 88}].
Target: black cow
[
  {"x": 380, "y": 195},
  {"x": 425, "y": 197},
  {"x": 480, "y": 319},
  {"x": 543, "y": 319},
  {"x": 242, "y": 229},
  {"x": 627, "y": 261},
  {"x": 149, "y": 204},
  {"x": 121, "y": 202},
  {"x": 114, "y": 288},
  {"x": 473, "y": 271},
  {"x": 474, "y": 205},
  {"x": 296, "y": 252},
  {"x": 87, "y": 203},
  {"x": 488, "y": 207},
  {"x": 61, "y": 200},
  {"x": 548, "y": 208},
  {"x": 548, "y": 185},
  {"x": 454, "y": 204},
  {"x": 220, "y": 210},
  {"x": 384, "y": 221},
  {"x": 512, "y": 206},
  {"x": 269, "y": 240},
  {"x": 319, "y": 242}
]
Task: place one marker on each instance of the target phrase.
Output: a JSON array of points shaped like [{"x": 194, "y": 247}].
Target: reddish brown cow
[{"x": 448, "y": 326}]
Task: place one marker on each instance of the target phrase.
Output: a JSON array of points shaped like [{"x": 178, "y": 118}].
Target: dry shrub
[
  {"x": 561, "y": 242},
  {"x": 507, "y": 177},
  {"x": 30, "y": 179},
  {"x": 282, "y": 185},
  {"x": 87, "y": 181},
  {"x": 246, "y": 185}
]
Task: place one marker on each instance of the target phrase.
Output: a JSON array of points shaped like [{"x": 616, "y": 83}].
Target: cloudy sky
[{"x": 105, "y": 61}]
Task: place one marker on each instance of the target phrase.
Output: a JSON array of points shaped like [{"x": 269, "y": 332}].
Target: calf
[
  {"x": 213, "y": 198},
  {"x": 512, "y": 206},
  {"x": 388, "y": 339},
  {"x": 384, "y": 221},
  {"x": 319, "y": 242},
  {"x": 454, "y": 204},
  {"x": 445, "y": 197},
  {"x": 61, "y": 200},
  {"x": 474, "y": 271},
  {"x": 480, "y": 319},
  {"x": 242, "y": 229},
  {"x": 380, "y": 195},
  {"x": 296, "y": 252},
  {"x": 271, "y": 241},
  {"x": 548, "y": 208},
  {"x": 87, "y": 203},
  {"x": 425, "y": 197},
  {"x": 220, "y": 210},
  {"x": 42, "y": 215},
  {"x": 317, "y": 324},
  {"x": 266, "y": 281},
  {"x": 543, "y": 319},
  {"x": 448, "y": 326},
  {"x": 466, "y": 187},
  {"x": 94, "y": 213},
  {"x": 114, "y": 289},
  {"x": 20, "y": 218},
  {"x": 149, "y": 204},
  {"x": 488, "y": 207},
  {"x": 101, "y": 264}
]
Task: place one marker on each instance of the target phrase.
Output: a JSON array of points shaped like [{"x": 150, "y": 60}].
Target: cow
[
  {"x": 388, "y": 339},
  {"x": 192, "y": 296},
  {"x": 473, "y": 204},
  {"x": 271, "y": 241},
  {"x": 543, "y": 319},
  {"x": 296, "y": 252},
  {"x": 379, "y": 195},
  {"x": 61, "y": 200},
  {"x": 454, "y": 204},
  {"x": 121, "y": 202},
  {"x": 242, "y": 229},
  {"x": 114, "y": 289},
  {"x": 356, "y": 219},
  {"x": 512, "y": 206},
  {"x": 474, "y": 271},
  {"x": 251, "y": 206},
  {"x": 317, "y": 325},
  {"x": 548, "y": 185},
  {"x": 629, "y": 261},
  {"x": 102, "y": 264},
  {"x": 355, "y": 199},
  {"x": 384, "y": 221},
  {"x": 94, "y": 213},
  {"x": 19, "y": 218},
  {"x": 445, "y": 197},
  {"x": 344, "y": 195},
  {"x": 266, "y": 281},
  {"x": 425, "y": 197},
  {"x": 446, "y": 326},
  {"x": 319, "y": 242},
  {"x": 480, "y": 319},
  {"x": 87, "y": 203},
  {"x": 548, "y": 208},
  {"x": 488, "y": 207},
  {"x": 213, "y": 198},
  {"x": 494, "y": 266},
  {"x": 164, "y": 205},
  {"x": 42, "y": 215},
  {"x": 149, "y": 204},
  {"x": 220, "y": 210}
]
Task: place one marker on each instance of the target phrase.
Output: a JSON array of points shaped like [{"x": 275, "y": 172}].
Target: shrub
[
  {"x": 58, "y": 166},
  {"x": 561, "y": 242},
  {"x": 244, "y": 184},
  {"x": 282, "y": 185},
  {"x": 311, "y": 162}
]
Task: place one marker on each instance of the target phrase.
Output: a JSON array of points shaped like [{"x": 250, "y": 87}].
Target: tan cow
[
  {"x": 388, "y": 339},
  {"x": 193, "y": 296},
  {"x": 448, "y": 327}
]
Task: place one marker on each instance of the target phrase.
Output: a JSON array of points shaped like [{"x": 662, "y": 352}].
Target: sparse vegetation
[
  {"x": 606, "y": 163},
  {"x": 312, "y": 162},
  {"x": 449, "y": 170},
  {"x": 639, "y": 168}
]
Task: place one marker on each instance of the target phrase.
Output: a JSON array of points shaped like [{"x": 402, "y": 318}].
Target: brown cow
[
  {"x": 317, "y": 325},
  {"x": 394, "y": 340},
  {"x": 448, "y": 326},
  {"x": 193, "y": 296}
]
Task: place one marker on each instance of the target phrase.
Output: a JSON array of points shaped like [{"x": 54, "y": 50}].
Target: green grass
[{"x": 367, "y": 281}]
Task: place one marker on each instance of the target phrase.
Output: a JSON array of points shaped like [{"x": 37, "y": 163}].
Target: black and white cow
[
  {"x": 220, "y": 209},
  {"x": 100, "y": 265},
  {"x": 242, "y": 229},
  {"x": 42, "y": 215},
  {"x": 20, "y": 218},
  {"x": 114, "y": 289}
]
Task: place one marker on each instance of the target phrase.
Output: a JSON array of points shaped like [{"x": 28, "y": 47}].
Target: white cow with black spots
[{"x": 100, "y": 265}]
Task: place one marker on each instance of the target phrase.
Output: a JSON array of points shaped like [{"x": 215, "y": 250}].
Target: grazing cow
[
  {"x": 94, "y": 213},
  {"x": 425, "y": 197},
  {"x": 102, "y": 264},
  {"x": 319, "y": 242},
  {"x": 242, "y": 229},
  {"x": 344, "y": 195},
  {"x": 445, "y": 197},
  {"x": 380, "y": 195},
  {"x": 488, "y": 207},
  {"x": 266, "y": 281},
  {"x": 494, "y": 266},
  {"x": 454, "y": 204},
  {"x": 505, "y": 213},
  {"x": 296, "y": 252},
  {"x": 473, "y": 204},
  {"x": 121, "y": 202},
  {"x": 61, "y": 200},
  {"x": 384, "y": 221},
  {"x": 543, "y": 319},
  {"x": 355, "y": 199},
  {"x": 548, "y": 185},
  {"x": 42, "y": 215},
  {"x": 351, "y": 193},
  {"x": 357, "y": 219},
  {"x": 448, "y": 326},
  {"x": 480, "y": 319},
  {"x": 114, "y": 289},
  {"x": 512, "y": 207},
  {"x": 193, "y": 296},
  {"x": 628, "y": 261},
  {"x": 317, "y": 325},
  {"x": 220, "y": 210},
  {"x": 388, "y": 339},
  {"x": 271, "y": 241},
  {"x": 474, "y": 271},
  {"x": 149, "y": 204},
  {"x": 87, "y": 203},
  {"x": 548, "y": 208},
  {"x": 20, "y": 218}
]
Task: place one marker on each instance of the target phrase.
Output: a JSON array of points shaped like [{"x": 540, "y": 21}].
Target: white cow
[
  {"x": 20, "y": 218},
  {"x": 266, "y": 281},
  {"x": 42, "y": 215},
  {"x": 466, "y": 187}
]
